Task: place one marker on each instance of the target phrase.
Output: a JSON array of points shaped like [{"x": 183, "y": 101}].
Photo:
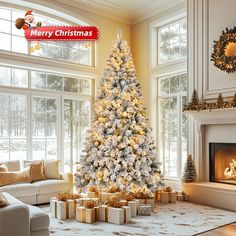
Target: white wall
[{"x": 207, "y": 19}]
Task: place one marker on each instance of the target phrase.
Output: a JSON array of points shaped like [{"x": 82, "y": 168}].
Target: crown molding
[{"x": 115, "y": 12}]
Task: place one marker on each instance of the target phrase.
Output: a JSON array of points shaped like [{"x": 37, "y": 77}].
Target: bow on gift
[
  {"x": 90, "y": 204},
  {"x": 93, "y": 188},
  {"x": 143, "y": 195},
  {"x": 129, "y": 197},
  {"x": 63, "y": 196},
  {"x": 114, "y": 202},
  {"x": 167, "y": 189}
]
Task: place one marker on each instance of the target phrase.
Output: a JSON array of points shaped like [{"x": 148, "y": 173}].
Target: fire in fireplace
[{"x": 222, "y": 162}]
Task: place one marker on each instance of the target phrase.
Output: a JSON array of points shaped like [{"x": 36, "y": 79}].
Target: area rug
[{"x": 180, "y": 219}]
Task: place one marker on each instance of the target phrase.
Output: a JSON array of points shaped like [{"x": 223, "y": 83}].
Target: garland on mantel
[{"x": 196, "y": 105}]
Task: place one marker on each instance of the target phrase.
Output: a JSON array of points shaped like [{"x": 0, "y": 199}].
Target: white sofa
[
  {"x": 19, "y": 219},
  {"x": 38, "y": 192}
]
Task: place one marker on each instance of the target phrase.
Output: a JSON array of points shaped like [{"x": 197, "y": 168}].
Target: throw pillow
[
  {"x": 52, "y": 169},
  {"x": 3, "y": 168},
  {"x": 3, "y": 201},
  {"x": 12, "y": 177},
  {"x": 36, "y": 171}
]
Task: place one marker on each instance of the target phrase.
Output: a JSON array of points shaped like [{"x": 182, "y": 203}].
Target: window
[
  {"x": 172, "y": 41},
  {"x": 169, "y": 73},
  {"x": 12, "y": 39},
  {"x": 172, "y": 123},
  {"x": 30, "y": 124}
]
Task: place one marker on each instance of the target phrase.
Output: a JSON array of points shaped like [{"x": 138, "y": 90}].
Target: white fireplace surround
[{"x": 218, "y": 125}]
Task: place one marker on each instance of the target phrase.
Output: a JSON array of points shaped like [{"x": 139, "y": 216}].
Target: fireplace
[{"x": 222, "y": 162}]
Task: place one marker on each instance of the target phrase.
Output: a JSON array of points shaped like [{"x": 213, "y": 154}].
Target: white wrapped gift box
[{"x": 62, "y": 210}]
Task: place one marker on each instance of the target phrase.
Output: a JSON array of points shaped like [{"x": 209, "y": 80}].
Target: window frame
[
  {"x": 169, "y": 62},
  {"x": 156, "y": 70},
  {"x": 179, "y": 96}
]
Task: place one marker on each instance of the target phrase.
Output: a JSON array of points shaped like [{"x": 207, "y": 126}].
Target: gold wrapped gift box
[
  {"x": 81, "y": 201},
  {"x": 86, "y": 215},
  {"x": 62, "y": 210},
  {"x": 183, "y": 197},
  {"x": 104, "y": 196},
  {"x": 93, "y": 194},
  {"x": 167, "y": 197}
]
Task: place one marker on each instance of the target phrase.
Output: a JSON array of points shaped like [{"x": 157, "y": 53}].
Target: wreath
[{"x": 221, "y": 60}]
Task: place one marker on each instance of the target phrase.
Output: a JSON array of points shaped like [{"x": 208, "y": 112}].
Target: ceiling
[{"x": 129, "y": 11}]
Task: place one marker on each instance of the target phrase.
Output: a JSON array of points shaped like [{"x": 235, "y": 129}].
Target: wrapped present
[
  {"x": 62, "y": 210},
  {"x": 119, "y": 215},
  {"x": 87, "y": 215},
  {"x": 124, "y": 202},
  {"x": 149, "y": 201},
  {"x": 133, "y": 207},
  {"x": 182, "y": 196},
  {"x": 81, "y": 201},
  {"x": 167, "y": 195},
  {"x": 93, "y": 194},
  {"x": 144, "y": 210},
  {"x": 103, "y": 213},
  {"x": 157, "y": 195},
  {"x": 93, "y": 191},
  {"x": 104, "y": 196}
]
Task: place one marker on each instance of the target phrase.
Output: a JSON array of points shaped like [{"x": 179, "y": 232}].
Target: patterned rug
[{"x": 180, "y": 219}]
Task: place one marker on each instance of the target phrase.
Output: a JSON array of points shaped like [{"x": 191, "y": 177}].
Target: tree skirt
[{"x": 181, "y": 219}]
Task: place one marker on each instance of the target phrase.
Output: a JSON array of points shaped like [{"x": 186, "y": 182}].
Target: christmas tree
[
  {"x": 234, "y": 100},
  {"x": 119, "y": 148},
  {"x": 220, "y": 101},
  {"x": 195, "y": 99},
  {"x": 190, "y": 173}
]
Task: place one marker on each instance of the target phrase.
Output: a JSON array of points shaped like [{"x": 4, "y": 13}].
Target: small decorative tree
[
  {"x": 195, "y": 99},
  {"x": 220, "y": 101},
  {"x": 234, "y": 101},
  {"x": 190, "y": 172}
]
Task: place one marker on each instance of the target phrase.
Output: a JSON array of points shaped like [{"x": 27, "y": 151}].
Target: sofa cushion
[
  {"x": 51, "y": 186},
  {"x": 20, "y": 190},
  {"x": 3, "y": 168},
  {"x": 39, "y": 220},
  {"x": 36, "y": 171},
  {"x": 12, "y": 200},
  {"x": 12, "y": 177},
  {"x": 52, "y": 169},
  {"x": 12, "y": 165}
]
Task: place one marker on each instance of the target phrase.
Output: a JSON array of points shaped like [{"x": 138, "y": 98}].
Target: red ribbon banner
[{"x": 62, "y": 33}]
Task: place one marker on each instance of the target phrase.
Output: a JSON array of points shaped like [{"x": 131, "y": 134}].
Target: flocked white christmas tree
[
  {"x": 190, "y": 172},
  {"x": 119, "y": 148}
]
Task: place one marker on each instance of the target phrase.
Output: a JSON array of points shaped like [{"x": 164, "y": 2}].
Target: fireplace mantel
[{"x": 216, "y": 116}]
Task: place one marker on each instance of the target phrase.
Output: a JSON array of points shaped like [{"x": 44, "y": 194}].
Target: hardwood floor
[{"x": 228, "y": 230}]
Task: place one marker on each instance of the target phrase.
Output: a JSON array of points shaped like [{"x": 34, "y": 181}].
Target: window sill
[{"x": 173, "y": 179}]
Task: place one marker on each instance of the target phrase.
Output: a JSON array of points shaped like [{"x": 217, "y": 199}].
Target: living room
[{"x": 117, "y": 117}]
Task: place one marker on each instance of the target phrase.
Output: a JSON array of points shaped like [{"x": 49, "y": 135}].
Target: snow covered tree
[
  {"x": 190, "y": 172},
  {"x": 119, "y": 148}
]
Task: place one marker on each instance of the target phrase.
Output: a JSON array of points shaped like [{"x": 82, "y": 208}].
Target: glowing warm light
[{"x": 230, "y": 172}]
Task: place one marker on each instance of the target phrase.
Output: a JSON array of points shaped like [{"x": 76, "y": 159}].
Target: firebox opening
[{"x": 222, "y": 162}]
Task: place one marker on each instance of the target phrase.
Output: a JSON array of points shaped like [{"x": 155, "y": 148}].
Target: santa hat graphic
[{"x": 29, "y": 13}]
